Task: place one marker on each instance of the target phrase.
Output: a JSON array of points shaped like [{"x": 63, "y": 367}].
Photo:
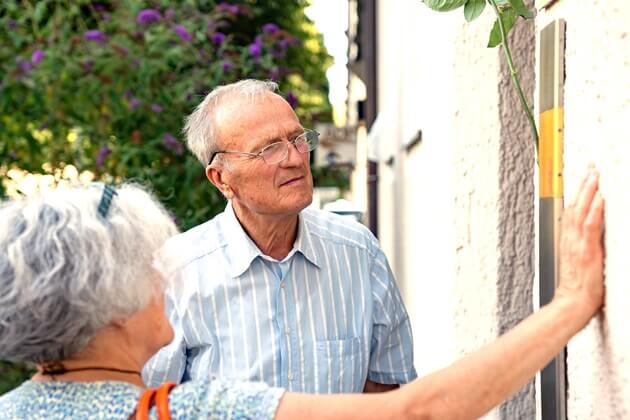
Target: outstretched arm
[{"x": 480, "y": 381}]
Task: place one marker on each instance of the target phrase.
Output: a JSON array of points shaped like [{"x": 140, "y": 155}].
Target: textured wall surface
[
  {"x": 597, "y": 114},
  {"x": 516, "y": 201},
  {"x": 494, "y": 197}
]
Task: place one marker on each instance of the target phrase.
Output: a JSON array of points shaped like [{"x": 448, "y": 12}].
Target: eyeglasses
[{"x": 277, "y": 152}]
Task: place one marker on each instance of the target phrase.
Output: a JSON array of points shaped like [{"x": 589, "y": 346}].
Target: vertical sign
[{"x": 551, "y": 122}]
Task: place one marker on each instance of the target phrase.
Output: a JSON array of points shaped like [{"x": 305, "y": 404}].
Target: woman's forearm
[
  {"x": 468, "y": 388},
  {"x": 473, "y": 385}
]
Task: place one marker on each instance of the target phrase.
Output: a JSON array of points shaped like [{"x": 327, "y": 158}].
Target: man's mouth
[{"x": 292, "y": 181}]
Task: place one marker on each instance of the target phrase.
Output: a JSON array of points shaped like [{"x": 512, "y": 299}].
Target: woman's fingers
[
  {"x": 576, "y": 197},
  {"x": 594, "y": 222},
  {"x": 585, "y": 197}
]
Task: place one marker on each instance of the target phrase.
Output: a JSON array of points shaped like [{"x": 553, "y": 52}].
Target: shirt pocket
[{"x": 343, "y": 365}]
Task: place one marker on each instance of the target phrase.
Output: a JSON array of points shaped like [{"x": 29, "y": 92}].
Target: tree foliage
[{"x": 104, "y": 86}]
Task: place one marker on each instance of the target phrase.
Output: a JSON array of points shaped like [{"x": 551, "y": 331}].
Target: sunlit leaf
[
  {"x": 473, "y": 9},
  {"x": 507, "y": 18},
  {"x": 521, "y": 10},
  {"x": 444, "y": 5}
]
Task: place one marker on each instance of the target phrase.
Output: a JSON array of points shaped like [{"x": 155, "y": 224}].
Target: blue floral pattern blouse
[{"x": 117, "y": 400}]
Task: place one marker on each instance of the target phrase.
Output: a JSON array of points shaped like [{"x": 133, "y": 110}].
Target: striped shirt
[{"x": 323, "y": 320}]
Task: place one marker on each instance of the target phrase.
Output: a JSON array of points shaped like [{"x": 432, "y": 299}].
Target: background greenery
[{"x": 104, "y": 86}]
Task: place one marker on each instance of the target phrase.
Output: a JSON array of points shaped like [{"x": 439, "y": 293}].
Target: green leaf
[
  {"x": 507, "y": 17},
  {"x": 521, "y": 10},
  {"x": 444, "y": 5},
  {"x": 473, "y": 9},
  {"x": 40, "y": 10}
]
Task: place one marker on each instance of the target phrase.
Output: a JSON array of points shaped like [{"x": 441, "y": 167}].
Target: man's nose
[{"x": 294, "y": 157}]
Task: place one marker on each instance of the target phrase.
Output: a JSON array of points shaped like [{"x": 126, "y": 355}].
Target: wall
[
  {"x": 597, "y": 111},
  {"x": 456, "y": 211}
]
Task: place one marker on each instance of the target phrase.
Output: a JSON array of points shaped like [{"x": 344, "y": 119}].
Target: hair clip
[{"x": 106, "y": 200}]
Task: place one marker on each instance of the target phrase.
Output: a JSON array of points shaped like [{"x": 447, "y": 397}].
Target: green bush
[{"x": 104, "y": 86}]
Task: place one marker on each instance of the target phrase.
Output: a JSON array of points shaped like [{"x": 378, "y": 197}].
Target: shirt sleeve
[
  {"x": 223, "y": 399},
  {"x": 169, "y": 363},
  {"x": 391, "y": 351}
]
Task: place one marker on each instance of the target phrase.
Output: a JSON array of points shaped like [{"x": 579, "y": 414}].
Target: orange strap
[
  {"x": 161, "y": 400},
  {"x": 144, "y": 404},
  {"x": 157, "y": 397}
]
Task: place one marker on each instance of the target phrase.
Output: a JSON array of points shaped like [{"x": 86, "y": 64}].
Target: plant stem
[{"x": 514, "y": 75}]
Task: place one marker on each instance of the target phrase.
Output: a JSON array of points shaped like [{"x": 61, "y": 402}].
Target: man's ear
[{"x": 216, "y": 176}]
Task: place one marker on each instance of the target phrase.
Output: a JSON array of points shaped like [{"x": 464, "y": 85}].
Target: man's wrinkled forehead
[{"x": 241, "y": 117}]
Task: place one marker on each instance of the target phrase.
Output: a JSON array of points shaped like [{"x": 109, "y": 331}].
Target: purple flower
[
  {"x": 11, "y": 25},
  {"x": 148, "y": 16},
  {"x": 255, "y": 49},
  {"x": 228, "y": 8},
  {"x": 218, "y": 38},
  {"x": 128, "y": 94},
  {"x": 172, "y": 144},
  {"x": 183, "y": 33},
  {"x": 279, "y": 50},
  {"x": 134, "y": 103},
  {"x": 102, "y": 154},
  {"x": 38, "y": 55},
  {"x": 96, "y": 36},
  {"x": 226, "y": 66},
  {"x": 99, "y": 7},
  {"x": 169, "y": 14},
  {"x": 292, "y": 99},
  {"x": 156, "y": 108},
  {"x": 270, "y": 28},
  {"x": 24, "y": 65}
]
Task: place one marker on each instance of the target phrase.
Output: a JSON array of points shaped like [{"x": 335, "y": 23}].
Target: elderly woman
[{"x": 81, "y": 296}]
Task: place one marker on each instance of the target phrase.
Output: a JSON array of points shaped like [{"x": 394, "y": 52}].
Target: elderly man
[{"x": 272, "y": 290}]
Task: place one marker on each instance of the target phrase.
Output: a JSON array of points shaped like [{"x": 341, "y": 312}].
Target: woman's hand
[{"x": 582, "y": 251}]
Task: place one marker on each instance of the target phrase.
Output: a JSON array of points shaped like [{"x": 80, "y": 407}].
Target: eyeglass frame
[{"x": 260, "y": 154}]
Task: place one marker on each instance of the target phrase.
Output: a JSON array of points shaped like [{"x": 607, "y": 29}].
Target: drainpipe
[{"x": 369, "y": 41}]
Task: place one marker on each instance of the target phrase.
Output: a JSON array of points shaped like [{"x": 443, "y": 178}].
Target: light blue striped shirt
[{"x": 323, "y": 320}]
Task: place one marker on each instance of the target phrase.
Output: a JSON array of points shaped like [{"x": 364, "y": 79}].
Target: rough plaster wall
[
  {"x": 476, "y": 201},
  {"x": 494, "y": 200},
  {"x": 597, "y": 111},
  {"x": 516, "y": 202}
]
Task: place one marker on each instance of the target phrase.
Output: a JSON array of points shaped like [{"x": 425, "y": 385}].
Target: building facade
[{"x": 457, "y": 184}]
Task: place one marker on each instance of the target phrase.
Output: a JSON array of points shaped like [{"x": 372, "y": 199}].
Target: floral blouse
[{"x": 117, "y": 400}]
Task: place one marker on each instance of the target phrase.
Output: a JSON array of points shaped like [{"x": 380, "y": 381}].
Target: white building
[{"x": 458, "y": 190}]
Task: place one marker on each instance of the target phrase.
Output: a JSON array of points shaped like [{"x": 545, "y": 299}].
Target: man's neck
[{"x": 273, "y": 235}]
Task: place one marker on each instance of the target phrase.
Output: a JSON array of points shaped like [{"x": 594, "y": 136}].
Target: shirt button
[
  {"x": 290, "y": 376},
  {"x": 287, "y": 331},
  {"x": 282, "y": 285}
]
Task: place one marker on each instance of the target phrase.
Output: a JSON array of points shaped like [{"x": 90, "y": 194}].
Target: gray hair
[
  {"x": 66, "y": 272},
  {"x": 200, "y": 130}
]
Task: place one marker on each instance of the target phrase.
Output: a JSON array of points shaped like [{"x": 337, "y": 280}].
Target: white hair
[
  {"x": 66, "y": 272},
  {"x": 200, "y": 130}
]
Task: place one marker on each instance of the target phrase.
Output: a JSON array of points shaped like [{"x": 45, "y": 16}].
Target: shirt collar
[
  {"x": 243, "y": 251},
  {"x": 304, "y": 241}
]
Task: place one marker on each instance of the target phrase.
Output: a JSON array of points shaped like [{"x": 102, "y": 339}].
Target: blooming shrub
[{"x": 105, "y": 85}]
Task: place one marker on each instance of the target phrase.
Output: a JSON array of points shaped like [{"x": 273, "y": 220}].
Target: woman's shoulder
[
  {"x": 220, "y": 398},
  {"x": 61, "y": 400}
]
